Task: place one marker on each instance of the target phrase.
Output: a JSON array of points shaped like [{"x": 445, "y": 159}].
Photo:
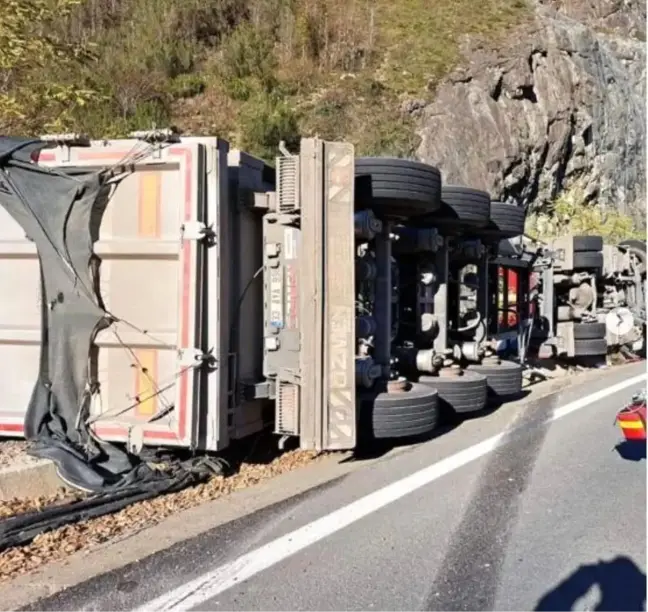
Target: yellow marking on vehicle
[
  {"x": 150, "y": 191},
  {"x": 145, "y": 386}
]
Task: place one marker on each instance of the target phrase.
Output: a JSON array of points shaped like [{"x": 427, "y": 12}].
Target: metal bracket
[
  {"x": 196, "y": 230},
  {"x": 65, "y": 142},
  {"x": 171, "y": 134},
  {"x": 68, "y": 140},
  {"x": 135, "y": 439},
  {"x": 257, "y": 390},
  {"x": 188, "y": 357},
  {"x": 263, "y": 201}
]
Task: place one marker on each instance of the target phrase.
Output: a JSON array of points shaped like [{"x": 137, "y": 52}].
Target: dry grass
[{"x": 419, "y": 39}]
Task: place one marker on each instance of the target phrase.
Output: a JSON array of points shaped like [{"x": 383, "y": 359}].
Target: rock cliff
[{"x": 561, "y": 104}]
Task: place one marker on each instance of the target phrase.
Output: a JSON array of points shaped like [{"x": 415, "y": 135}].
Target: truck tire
[
  {"x": 588, "y": 244},
  {"x": 506, "y": 221},
  {"x": 632, "y": 243},
  {"x": 397, "y": 187},
  {"x": 460, "y": 394},
  {"x": 399, "y": 415},
  {"x": 503, "y": 378},
  {"x": 588, "y": 260},
  {"x": 463, "y": 207},
  {"x": 589, "y": 331},
  {"x": 590, "y": 348}
]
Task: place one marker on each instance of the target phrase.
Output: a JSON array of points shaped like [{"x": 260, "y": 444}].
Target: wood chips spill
[
  {"x": 10, "y": 450},
  {"x": 61, "y": 543},
  {"x": 15, "y": 506}
]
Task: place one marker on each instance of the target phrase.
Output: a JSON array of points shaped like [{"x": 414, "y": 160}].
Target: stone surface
[
  {"x": 623, "y": 17},
  {"x": 29, "y": 479},
  {"x": 560, "y": 105}
]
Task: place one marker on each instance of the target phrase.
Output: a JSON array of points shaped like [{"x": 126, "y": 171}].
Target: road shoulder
[{"x": 193, "y": 522}]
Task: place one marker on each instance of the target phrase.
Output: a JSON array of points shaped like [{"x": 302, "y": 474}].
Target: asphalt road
[{"x": 554, "y": 518}]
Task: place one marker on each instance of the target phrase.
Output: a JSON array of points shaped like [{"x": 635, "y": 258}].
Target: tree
[{"x": 30, "y": 50}]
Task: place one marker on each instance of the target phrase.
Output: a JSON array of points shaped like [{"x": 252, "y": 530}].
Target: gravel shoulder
[
  {"x": 12, "y": 452},
  {"x": 61, "y": 543}
]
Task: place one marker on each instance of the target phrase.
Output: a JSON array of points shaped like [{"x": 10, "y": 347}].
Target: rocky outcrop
[
  {"x": 623, "y": 17},
  {"x": 560, "y": 105}
]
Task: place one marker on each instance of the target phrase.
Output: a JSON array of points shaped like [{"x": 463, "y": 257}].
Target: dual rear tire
[
  {"x": 418, "y": 410},
  {"x": 403, "y": 414}
]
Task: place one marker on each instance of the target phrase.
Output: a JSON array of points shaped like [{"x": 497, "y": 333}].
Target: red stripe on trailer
[
  {"x": 122, "y": 432},
  {"x": 186, "y": 289},
  {"x": 102, "y": 155}
]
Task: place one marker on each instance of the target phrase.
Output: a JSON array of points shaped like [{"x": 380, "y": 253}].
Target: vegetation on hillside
[
  {"x": 252, "y": 71},
  {"x": 572, "y": 214}
]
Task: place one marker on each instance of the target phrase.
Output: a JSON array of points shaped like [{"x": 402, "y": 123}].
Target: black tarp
[{"x": 61, "y": 212}]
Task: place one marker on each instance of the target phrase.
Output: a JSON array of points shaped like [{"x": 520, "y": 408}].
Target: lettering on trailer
[
  {"x": 292, "y": 293},
  {"x": 276, "y": 297},
  {"x": 339, "y": 295},
  {"x": 291, "y": 236},
  {"x": 339, "y": 334},
  {"x": 341, "y": 385}
]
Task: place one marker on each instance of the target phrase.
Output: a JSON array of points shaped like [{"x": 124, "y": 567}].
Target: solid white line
[{"x": 226, "y": 576}]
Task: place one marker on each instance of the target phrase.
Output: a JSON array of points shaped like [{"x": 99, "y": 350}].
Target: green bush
[
  {"x": 264, "y": 122},
  {"x": 248, "y": 62},
  {"x": 571, "y": 213},
  {"x": 187, "y": 86},
  {"x": 365, "y": 112}
]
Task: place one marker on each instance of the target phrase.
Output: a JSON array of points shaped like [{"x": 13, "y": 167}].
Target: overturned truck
[
  {"x": 191, "y": 295},
  {"x": 576, "y": 297}
]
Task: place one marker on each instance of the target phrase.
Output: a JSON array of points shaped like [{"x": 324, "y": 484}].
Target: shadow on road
[
  {"x": 632, "y": 451},
  {"x": 368, "y": 448},
  {"x": 621, "y": 583}
]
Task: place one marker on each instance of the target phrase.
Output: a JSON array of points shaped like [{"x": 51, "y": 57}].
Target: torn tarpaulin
[{"x": 61, "y": 211}]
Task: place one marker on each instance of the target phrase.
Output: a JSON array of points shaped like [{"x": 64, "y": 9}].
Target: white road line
[{"x": 213, "y": 583}]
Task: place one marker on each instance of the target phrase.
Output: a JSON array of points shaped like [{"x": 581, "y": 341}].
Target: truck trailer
[{"x": 171, "y": 292}]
